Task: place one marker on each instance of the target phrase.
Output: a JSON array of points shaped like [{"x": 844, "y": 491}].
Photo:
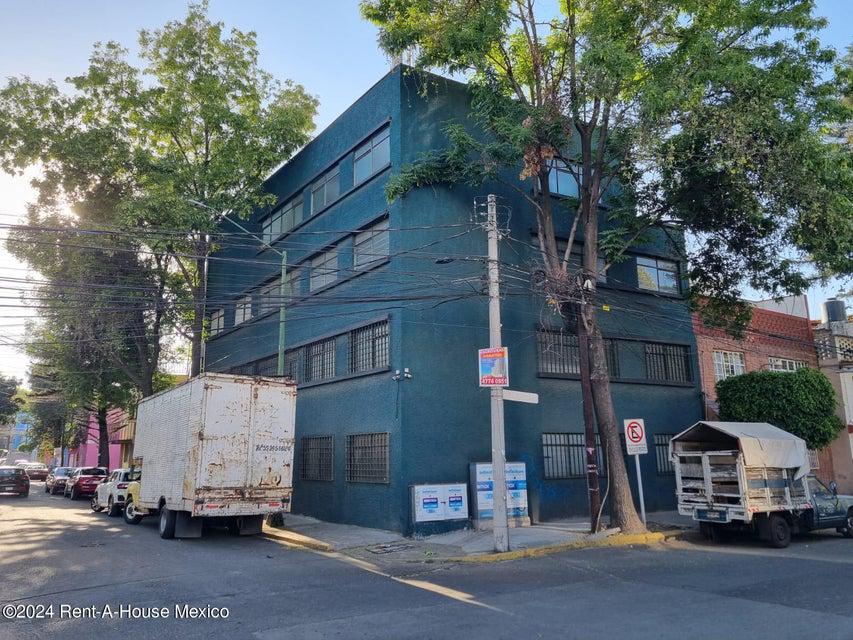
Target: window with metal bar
[
  {"x": 559, "y": 353},
  {"x": 317, "y": 458},
  {"x": 368, "y": 347},
  {"x": 267, "y": 366},
  {"x": 368, "y": 457},
  {"x": 727, "y": 364},
  {"x": 564, "y": 455},
  {"x": 294, "y": 367},
  {"x": 320, "y": 360},
  {"x": 662, "y": 459},
  {"x": 668, "y": 362}
]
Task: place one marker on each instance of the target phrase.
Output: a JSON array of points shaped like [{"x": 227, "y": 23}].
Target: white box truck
[{"x": 216, "y": 446}]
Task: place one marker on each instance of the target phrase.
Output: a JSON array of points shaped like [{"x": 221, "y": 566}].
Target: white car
[{"x": 111, "y": 493}]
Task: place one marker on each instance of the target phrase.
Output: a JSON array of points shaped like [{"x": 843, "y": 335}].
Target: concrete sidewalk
[{"x": 363, "y": 542}]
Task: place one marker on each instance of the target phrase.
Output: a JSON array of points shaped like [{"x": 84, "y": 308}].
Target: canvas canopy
[{"x": 761, "y": 444}]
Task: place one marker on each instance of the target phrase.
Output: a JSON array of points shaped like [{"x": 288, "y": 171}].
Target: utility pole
[
  {"x": 283, "y": 286},
  {"x": 499, "y": 521}
]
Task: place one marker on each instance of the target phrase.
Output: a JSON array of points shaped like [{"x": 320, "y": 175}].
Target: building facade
[
  {"x": 834, "y": 339},
  {"x": 386, "y": 309},
  {"x": 779, "y": 338}
]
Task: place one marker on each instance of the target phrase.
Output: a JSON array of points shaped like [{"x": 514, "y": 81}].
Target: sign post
[{"x": 635, "y": 443}]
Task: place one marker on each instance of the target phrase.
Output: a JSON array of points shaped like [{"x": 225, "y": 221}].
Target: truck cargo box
[{"x": 218, "y": 445}]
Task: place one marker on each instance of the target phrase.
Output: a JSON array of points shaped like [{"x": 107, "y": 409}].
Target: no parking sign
[{"x": 635, "y": 436}]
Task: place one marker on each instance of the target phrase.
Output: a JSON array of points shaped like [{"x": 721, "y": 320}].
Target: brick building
[{"x": 779, "y": 338}]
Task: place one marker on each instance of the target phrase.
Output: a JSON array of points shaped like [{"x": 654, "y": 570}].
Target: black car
[
  {"x": 56, "y": 479},
  {"x": 14, "y": 480}
]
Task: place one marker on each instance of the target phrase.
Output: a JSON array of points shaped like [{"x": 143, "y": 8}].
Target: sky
[{"x": 322, "y": 44}]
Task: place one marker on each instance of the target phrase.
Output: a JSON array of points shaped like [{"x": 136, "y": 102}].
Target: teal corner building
[{"x": 386, "y": 309}]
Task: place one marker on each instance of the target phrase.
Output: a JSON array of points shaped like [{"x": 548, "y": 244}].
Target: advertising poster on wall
[{"x": 516, "y": 485}]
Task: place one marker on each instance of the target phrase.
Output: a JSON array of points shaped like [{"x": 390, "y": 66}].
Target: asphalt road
[{"x": 57, "y": 552}]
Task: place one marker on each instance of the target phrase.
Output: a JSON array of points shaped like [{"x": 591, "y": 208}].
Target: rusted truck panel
[{"x": 218, "y": 445}]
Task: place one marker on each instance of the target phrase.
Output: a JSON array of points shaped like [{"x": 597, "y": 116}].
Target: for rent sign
[{"x": 494, "y": 367}]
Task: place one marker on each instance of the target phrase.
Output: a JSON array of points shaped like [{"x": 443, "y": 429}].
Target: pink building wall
[{"x": 86, "y": 455}]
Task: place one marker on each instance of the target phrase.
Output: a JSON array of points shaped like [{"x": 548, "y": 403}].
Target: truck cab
[{"x": 830, "y": 510}]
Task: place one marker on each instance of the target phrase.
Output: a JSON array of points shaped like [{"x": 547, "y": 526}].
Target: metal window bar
[
  {"x": 368, "y": 347},
  {"x": 662, "y": 460},
  {"x": 559, "y": 352},
  {"x": 368, "y": 457},
  {"x": 564, "y": 455},
  {"x": 814, "y": 459},
  {"x": 294, "y": 367},
  {"x": 317, "y": 459},
  {"x": 668, "y": 362},
  {"x": 320, "y": 360},
  {"x": 267, "y": 366}
]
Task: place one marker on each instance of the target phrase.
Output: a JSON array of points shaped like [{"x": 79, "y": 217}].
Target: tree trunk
[
  {"x": 103, "y": 438},
  {"x": 623, "y": 514},
  {"x": 590, "y": 449}
]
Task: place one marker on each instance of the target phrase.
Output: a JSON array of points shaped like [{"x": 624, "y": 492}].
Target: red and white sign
[{"x": 635, "y": 436}]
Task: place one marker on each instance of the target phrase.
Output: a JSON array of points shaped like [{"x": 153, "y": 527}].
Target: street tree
[
  {"x": 208, "y": 125},
  {"x": 697, "y": 118},
  {"x": 92, "y": 272},
  {"x": 10, "y": 403}
]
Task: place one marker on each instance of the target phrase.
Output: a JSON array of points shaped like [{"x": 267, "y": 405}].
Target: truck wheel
[
  {"x": 130, "y": 515},
  {"x": 167, "y": 523},
  {"x": 112, "y": 508},
  {"x": 94, "y": 504},
  {"x": 780, "y": 531}
]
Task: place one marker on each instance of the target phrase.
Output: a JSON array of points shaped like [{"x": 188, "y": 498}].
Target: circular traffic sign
[{"x": 635, "y": 432}]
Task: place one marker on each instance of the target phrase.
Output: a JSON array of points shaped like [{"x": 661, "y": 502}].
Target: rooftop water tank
[{"x": 835, "y": 310}]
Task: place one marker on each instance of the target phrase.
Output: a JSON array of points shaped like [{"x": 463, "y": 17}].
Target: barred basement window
[
  {"x": 559, "y": 353},
  {"x": 368, "y": 457},
  {"x": 317, "y": 458},
  {"x": 320, "y": 360},
  {"x": 668, "y": 362},
  {"x": 564, "y": 455},
  {"x": 662, "y": 459},
  {"x": 368, "y": 347}
]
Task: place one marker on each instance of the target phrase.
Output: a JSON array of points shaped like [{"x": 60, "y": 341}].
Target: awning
[{"x": 761, "y": 444}]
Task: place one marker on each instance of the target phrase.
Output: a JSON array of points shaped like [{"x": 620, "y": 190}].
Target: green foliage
[
  {"x": 162, "y": 150},
  {"x": 707, "y": 115},
  {"x": 802, "y": 403},
  {"x": 10, "y": 403}
]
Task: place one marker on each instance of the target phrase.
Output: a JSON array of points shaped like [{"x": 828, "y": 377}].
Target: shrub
[{"x": 802, "y": 403}]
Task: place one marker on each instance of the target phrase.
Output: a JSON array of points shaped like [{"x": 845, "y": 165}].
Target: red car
[
  {"x": 84, "y": 482},
  {"x": 14, "y": 480},
  {"x": 36, "y": 470}
]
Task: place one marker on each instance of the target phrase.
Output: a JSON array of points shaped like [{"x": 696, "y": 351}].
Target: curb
[
  {"x": 296, "y": 539},
  {"x": 617, "y": 540}
]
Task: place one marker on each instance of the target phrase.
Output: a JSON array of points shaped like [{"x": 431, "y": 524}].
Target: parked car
[
  {"x": 84, "y": 481},
  {"x": 36, "y": 470},
  {"x": 14, "y": 480},
  {"x": 56, "y": 479},
  {"x": 111, "y": 493},
  {"x": 131, "y": 515}
]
